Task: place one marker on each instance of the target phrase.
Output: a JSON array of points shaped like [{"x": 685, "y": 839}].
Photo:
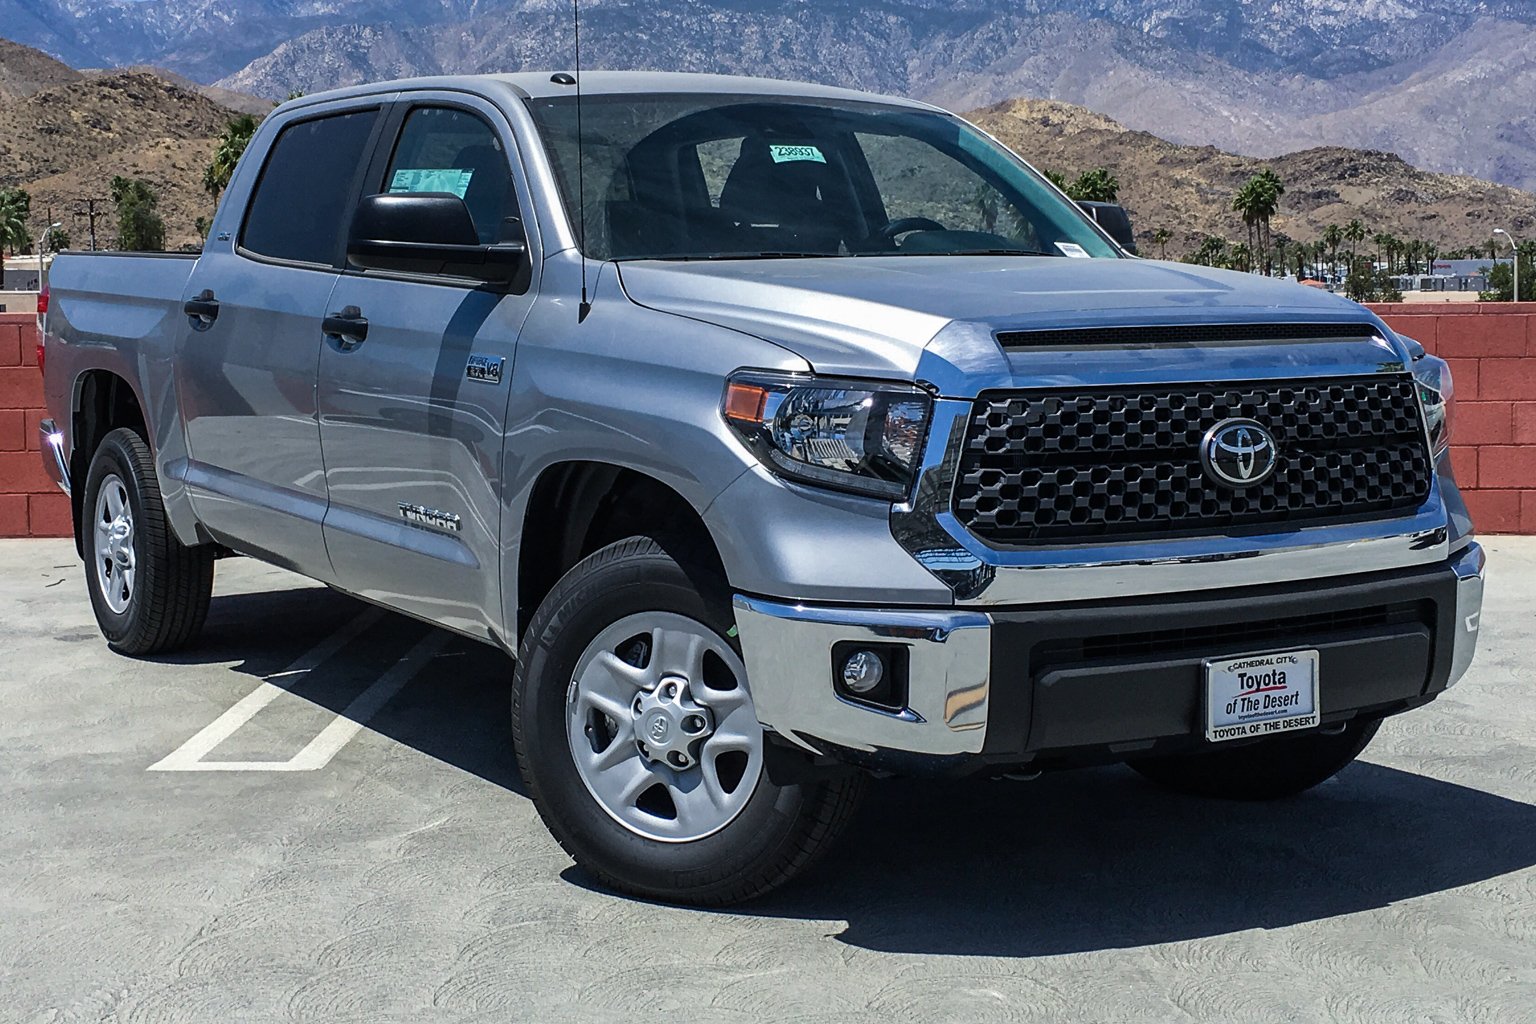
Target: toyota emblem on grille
[{"x": 1239, "y": 453}]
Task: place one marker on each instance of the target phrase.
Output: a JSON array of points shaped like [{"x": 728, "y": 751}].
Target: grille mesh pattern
[{"x": 1042, "y": 466}]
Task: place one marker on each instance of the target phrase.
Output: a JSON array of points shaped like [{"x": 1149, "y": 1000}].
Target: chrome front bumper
[{"x": 788, "y": 653}]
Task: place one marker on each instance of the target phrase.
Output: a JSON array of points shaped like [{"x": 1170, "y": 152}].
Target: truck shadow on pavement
[
  {"x": 1087, "y": 860},
  {"x": 455, "y": 709},
  {"x": 1100, "y": 859}
]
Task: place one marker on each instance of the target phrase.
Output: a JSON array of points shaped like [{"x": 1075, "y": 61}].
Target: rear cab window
[{"x": 299, "y": 210}]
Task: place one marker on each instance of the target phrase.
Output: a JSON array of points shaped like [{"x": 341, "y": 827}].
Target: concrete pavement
[{"x": 403, "y": 876}]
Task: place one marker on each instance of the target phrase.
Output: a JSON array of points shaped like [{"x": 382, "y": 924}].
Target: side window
[
  {"x": 304, "y": 193},
  {"x": 446, "y": 150}
]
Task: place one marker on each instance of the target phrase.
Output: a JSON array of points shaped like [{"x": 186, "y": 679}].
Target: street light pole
[{"x": 1514, "y": 261}]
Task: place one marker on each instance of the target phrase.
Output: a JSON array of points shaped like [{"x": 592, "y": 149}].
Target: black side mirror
[
  {"x": 1114, "y": 220},
  {"x": 428, "y": 233}
]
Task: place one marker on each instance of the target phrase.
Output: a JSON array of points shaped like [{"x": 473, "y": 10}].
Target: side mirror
[
  {"x": 428, "y": 233},
  {"x": 1114, "y": 220}
]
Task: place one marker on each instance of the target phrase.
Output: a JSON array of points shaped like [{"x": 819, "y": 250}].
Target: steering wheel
[{"x": 902, "y": 225}]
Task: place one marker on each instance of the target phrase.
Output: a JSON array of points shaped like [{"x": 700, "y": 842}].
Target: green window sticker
[
  {"x": 454, "y": 180},
  {"x": 791, "y": 154}
]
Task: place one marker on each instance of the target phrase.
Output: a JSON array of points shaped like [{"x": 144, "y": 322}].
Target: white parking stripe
[{"x": 319, "y": 751}]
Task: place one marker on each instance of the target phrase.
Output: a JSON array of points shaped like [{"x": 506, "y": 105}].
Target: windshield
[{"x": 692, "y": 176}]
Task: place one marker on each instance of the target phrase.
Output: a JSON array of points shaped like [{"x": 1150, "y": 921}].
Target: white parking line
[{"x": 318, "y": 752}]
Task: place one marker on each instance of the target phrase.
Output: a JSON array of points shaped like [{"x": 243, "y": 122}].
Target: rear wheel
[
  {"x": 638, "y": 740},
  {"x": 1267, "y": 770},
  {"x": 149, "y": 591}
]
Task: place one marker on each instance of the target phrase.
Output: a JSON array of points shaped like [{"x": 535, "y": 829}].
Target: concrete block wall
[
  {"x": 1492, "y": 351},
  {"x": 1491, "y": 348},
  {"x": 31, "y": 505}
]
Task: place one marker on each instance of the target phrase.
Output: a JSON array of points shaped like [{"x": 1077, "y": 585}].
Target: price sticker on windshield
[{"x": 796, "y": 154}]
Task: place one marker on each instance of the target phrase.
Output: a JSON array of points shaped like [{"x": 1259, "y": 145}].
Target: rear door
[
  {"x": 247, "y": 363},
  {"x": 412, "y": 413}
]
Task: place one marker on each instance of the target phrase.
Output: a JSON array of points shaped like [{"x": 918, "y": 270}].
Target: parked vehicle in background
[{"x": 785, "y": 435}]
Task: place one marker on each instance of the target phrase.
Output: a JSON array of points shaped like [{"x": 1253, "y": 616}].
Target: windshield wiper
[
  {"x": 770, "y": 255},
  {"x": 970, "y": 252}
]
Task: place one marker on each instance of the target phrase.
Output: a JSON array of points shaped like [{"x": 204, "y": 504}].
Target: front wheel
[
  {"x": 1269, "y": 769},
  {"x": 636, "y": 735}
]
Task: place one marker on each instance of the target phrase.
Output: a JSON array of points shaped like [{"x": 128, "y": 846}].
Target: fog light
[{"x": 863, "y": 672}]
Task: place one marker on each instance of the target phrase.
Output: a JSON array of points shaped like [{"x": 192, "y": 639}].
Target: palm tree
[
  {"x": 15, "y": 205},
  {"x": 1384, "y": 243},
  {"x": 237, "y": 135},
  {"x": 1333, "y": 237},
  {"x": 1354, "y": 233},
  {"x": 1242, "y": 258},
  {"x": 1160, "y": 238},
  {"x": 1269, "y": 189},
  {"x": 1247, "y": 202}
]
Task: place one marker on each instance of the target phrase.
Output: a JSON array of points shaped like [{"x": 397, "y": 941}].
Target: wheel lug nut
[{"x": 678, "y": 759}]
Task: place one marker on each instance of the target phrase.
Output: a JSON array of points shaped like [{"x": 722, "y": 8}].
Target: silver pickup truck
[{"x": 785, "y": 437}]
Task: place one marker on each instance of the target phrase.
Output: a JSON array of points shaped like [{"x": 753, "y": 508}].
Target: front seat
[{"x": 782, "y": 205}]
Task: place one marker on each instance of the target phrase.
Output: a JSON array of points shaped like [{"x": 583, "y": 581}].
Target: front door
[
  {"x": 247, "y": 363},
  {"x": 412, "y": 410}
]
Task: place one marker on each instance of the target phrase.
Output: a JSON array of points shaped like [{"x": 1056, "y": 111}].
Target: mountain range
[
  {"x": 1447, "y": 84},
  {"x": 65, "y": 133}
]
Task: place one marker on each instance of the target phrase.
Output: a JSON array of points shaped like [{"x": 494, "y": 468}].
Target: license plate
[{"x": 1260, "y": 695}]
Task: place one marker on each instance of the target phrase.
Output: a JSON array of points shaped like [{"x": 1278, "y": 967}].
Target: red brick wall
[
  {"x": 31, "y": 505},
  {"x": 1491, "y": 349}
]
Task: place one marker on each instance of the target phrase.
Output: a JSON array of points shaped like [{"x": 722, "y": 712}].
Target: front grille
[{"x": 1057, "y": 465}]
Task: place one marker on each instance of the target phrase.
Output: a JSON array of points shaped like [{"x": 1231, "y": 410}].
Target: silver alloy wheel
[
  {"x": 116, "y": 560},
  {"x": 662, "y": 728}
]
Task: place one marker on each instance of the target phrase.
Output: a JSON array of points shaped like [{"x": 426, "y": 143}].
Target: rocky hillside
[
  {"x": 1188, "y": 190},
  {"x": 64, "y": 143},
  {"x": 23, "y": 71},
  {"x": 1445, "y": 83}
]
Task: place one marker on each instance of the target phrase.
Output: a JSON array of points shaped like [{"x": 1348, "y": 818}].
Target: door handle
[
  {"x": 349, "y": 327},
  {"x": 204, "y": 309}
]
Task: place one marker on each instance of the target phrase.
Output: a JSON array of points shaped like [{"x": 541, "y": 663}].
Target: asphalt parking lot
[{"x": 315, "y": 816}]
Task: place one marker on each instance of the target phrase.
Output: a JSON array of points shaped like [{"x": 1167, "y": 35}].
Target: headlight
[
  {"x": 850, "y": 435},
  {"x": 1437, "y": 394}
]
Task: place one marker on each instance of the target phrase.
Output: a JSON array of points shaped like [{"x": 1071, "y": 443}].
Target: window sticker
[
  {"x": 432, "y": 179},
  {"x": 792, "y": 154},
  {"x": 1074, "y": 250}
]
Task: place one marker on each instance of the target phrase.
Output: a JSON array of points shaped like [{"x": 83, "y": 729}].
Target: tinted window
[
  {"x": 443, "y": 150},
  {"x": 303, "y": 196}
]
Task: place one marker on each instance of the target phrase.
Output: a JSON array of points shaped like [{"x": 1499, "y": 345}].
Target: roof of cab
[{"x": 539, "y": 84}]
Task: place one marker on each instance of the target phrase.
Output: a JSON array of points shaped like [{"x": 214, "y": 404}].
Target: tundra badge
[
  {"x": 420, "y": 515},
  {"x": 484, "y": 369}
]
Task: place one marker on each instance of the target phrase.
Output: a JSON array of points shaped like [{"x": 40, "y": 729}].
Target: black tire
[
  {"x": 172, "y": 582},
  {"x": 779, "y": 832},
  {"x": 1269, "y": 769}
]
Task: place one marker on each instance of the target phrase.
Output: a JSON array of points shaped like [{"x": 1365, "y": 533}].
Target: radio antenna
[{"x": 581, "y": 172}]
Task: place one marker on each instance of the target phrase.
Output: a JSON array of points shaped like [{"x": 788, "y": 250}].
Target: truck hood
[{"x": 877, "y": 316}]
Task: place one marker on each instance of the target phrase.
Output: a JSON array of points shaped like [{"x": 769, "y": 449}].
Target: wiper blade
[
  {"x": 992, "y": 252},
  {"x": 770, "y": 255},
  {"x": 961, "y": 252}
]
